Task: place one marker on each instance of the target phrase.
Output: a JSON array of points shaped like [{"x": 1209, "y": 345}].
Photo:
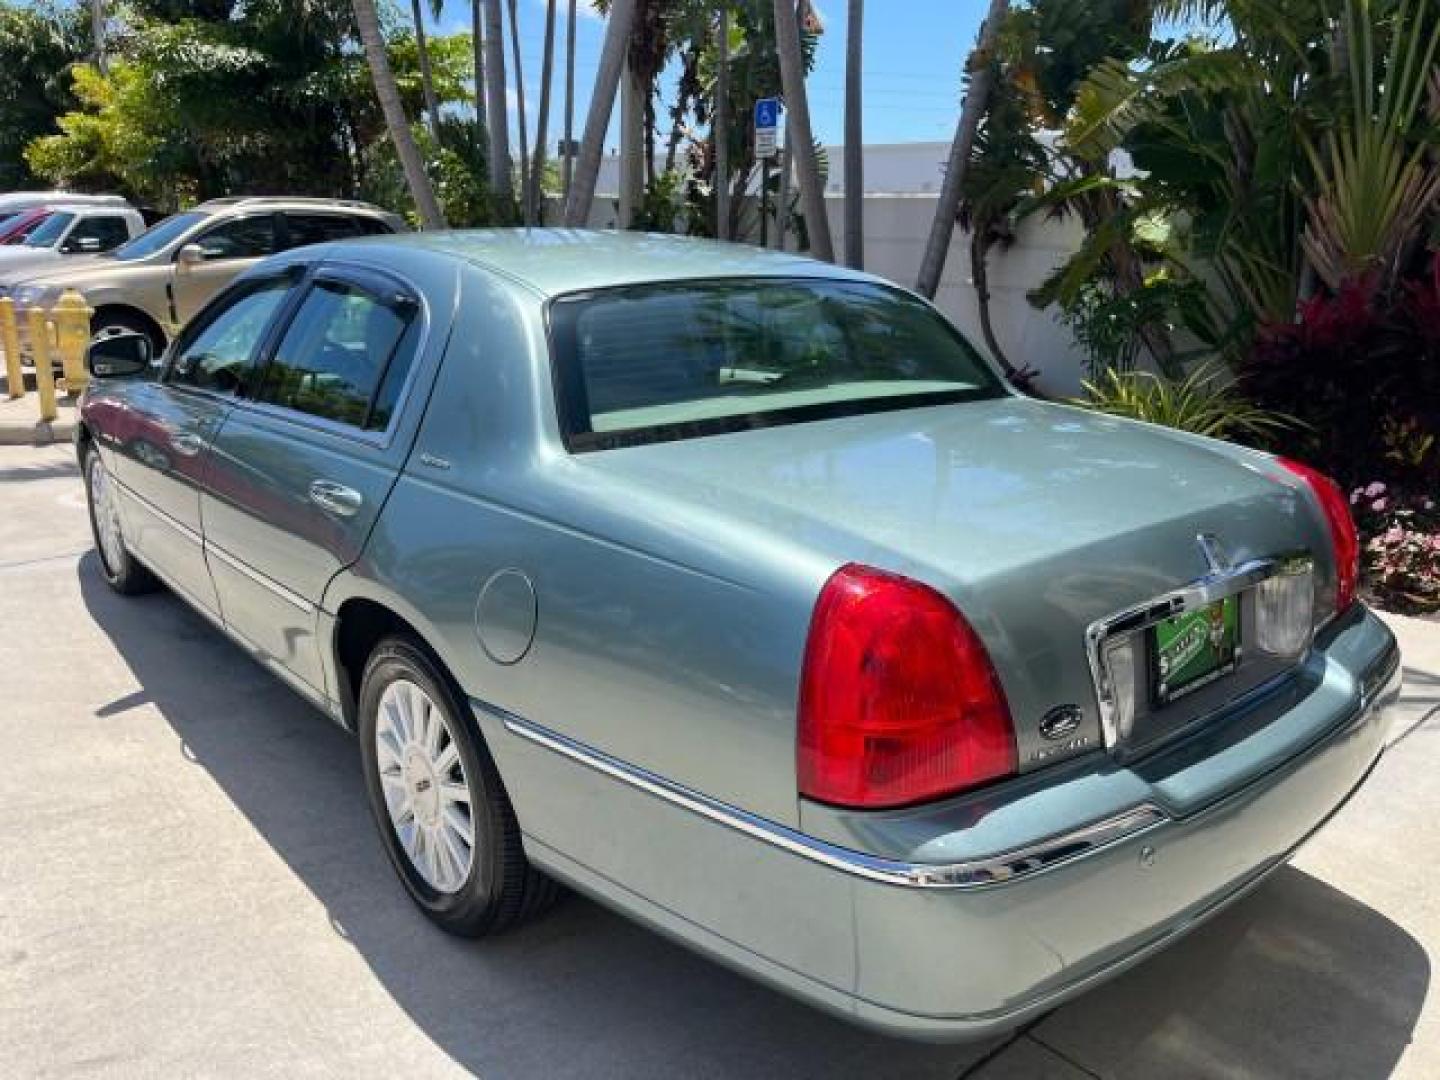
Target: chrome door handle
[
  {"x": 335, "y": 498},
  {"x": 186, "y": 445}
]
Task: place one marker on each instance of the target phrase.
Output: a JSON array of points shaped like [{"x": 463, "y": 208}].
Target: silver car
[{"x": 739, "y": 592}]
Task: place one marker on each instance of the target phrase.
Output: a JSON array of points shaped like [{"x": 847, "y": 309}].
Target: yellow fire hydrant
[
  {"x": 72, "y": 337},
  {"x": 10, "y": 342},
  {"x": 40, "y": 353}
]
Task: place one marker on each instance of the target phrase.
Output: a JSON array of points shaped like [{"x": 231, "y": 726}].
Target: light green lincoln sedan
[{"x": 738, "y": 591}]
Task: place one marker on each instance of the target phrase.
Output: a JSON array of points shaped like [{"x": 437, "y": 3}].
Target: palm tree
[
  {"x": 427, "y": 82},
  {"x": 500, "y": 183},
  {"x": 792, "y": 79},
  {"x": 388, "y": 94},
  {"x": 569, "y": 96},
  {"x": 528, "y": 213},
  {"x": 943, "y": 227},
  {"x": 477, "y": 44},
  {"x": 854, "y": 140},
  {"x": 542, "y": 123},
  {"x": 602, "y": 103},
  {"x": 97, "y": 32}
]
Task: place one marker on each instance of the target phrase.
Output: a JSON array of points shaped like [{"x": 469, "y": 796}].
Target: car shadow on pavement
[{"x": 584, "y": 992}]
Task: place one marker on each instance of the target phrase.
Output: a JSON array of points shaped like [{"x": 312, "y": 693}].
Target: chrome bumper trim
[{"x": 992, "y": 870}]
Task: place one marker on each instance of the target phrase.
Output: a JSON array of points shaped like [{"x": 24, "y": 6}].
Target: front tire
[
  {"x": 436, "y": 796},
  {"x": 121, "y": 570}
]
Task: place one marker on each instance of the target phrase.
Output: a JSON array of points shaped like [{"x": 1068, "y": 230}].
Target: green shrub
[{"x": 1202, "y": 402}]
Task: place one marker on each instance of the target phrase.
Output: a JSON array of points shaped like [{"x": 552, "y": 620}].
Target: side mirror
[
  {"x": 190, "y": 255},
  {"x": 86, "y": 244},
  {"x": 120, "y": 356}
]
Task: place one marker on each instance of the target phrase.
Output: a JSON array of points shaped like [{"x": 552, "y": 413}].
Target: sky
[{"x": 914, "y": 53}]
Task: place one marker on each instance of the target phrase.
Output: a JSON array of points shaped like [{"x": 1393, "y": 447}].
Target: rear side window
[
  {"x": 344, "y": 356},
  {"x": 319, "y": 228}
]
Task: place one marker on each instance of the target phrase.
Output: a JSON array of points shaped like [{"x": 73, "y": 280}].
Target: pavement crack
[
  {"x": 22, "y": 563},
  {"x": 999, "y": 1048},
  {"x": 1064, "y": 1057}
]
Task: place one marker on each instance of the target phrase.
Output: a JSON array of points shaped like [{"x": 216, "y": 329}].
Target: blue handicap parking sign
[{"x": 767, "y": 112}]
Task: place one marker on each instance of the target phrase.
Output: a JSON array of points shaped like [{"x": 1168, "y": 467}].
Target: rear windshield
[{"x": 682, "y": 359}]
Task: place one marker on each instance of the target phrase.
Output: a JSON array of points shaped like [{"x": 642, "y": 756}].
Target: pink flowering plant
[{"x": 1400, "y": 546}]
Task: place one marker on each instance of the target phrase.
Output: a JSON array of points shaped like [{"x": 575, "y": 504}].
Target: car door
[
  {"x": 163, "y": 450},
  {"x": 300, "y": 473},
  {"x": 228, "y": 248}
]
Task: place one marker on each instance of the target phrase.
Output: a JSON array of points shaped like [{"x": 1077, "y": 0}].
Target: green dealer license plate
[{"x": 1194, "y": 649}]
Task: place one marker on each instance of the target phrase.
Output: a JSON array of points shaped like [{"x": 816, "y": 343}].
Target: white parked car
[
  {"x": 14, "y": 201},
  {"x": 72, "y": 229}
]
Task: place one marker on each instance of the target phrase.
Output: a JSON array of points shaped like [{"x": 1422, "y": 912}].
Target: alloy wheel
[
  {"x": 107, "y": 516},
  {"x": 426, "y": 791}
]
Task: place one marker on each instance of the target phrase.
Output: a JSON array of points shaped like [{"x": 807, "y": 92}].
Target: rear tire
[
  {"x": 433, "y": 786},
  {"x": 121, "y": 570}
]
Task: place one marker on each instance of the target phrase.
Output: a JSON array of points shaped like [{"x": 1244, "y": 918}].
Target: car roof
[
  {"x": 87, "y": 208},
  {"x": 289, "y": 202},
  {"x": 555, "y": 261}
]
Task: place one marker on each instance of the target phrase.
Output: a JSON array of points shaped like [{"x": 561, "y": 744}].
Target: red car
[{"x": 17, "y": 226}]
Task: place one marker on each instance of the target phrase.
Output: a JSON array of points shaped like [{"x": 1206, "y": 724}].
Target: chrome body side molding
[{"x": 991, "y": 870}]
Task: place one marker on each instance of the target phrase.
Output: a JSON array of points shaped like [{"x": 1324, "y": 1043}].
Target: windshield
[
  {"x": 158, "y": 236},
  {"x": 48, "y": 233},
  {"x": 676, "y": 360}
]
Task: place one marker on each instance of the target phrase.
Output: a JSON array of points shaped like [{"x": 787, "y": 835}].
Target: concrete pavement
[{"x": 190, "y": 886}]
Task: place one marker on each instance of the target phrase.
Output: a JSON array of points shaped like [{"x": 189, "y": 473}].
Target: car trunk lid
[{"x": 1036, "y": 520}]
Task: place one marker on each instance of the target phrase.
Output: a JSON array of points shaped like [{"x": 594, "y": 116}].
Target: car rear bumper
[{"x": 965, "y": 946}]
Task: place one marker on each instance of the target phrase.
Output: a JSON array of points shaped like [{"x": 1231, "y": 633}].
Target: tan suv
[{"x": 157, "y": 281}]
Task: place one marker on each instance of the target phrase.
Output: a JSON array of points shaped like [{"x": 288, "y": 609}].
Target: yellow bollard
[
  {"x": 40, "y": 353},
  {"x": 72, "y": 334},
  {"x": 10, "y": 342}
]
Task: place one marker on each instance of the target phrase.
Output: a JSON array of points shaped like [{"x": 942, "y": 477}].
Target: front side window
[
  {"x": 221, "y": 354},
  {"x": 158, "y": 236},
  {"x": 48, "y": 233},
  {"x": 243, "y": 238},
  {"x": 654, "y": 362},
  {"x": 344, "y": 356},
  {"x": 97, "y": 233}
]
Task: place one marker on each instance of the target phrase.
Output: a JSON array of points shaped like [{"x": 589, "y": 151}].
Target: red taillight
[
  {"x": 898, "y": 699},
  {"x": 1344, "y": 540}
]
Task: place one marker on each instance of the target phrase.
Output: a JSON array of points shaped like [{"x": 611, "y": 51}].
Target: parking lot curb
[{"x": 36, "y": 432}]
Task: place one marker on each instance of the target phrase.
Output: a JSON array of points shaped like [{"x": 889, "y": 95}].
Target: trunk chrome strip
[{"x": 992, "y": 870}]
